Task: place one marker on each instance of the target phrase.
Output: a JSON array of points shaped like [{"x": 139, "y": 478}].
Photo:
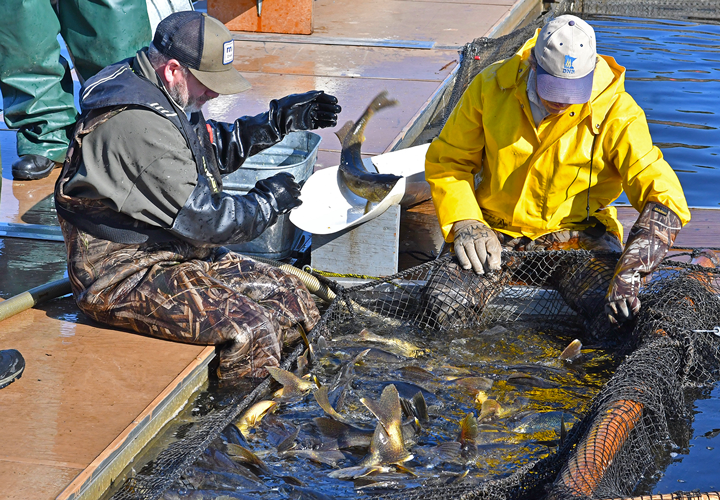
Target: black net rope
[
  {"x": 633, "y": 425},
  {"x": 650, "y": 395}
]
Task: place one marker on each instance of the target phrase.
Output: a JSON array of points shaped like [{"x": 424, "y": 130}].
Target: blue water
[{"x": 673, "y": 72}]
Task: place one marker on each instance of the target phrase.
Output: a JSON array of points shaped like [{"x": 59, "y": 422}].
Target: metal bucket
[{"x": 295, "y": 154}]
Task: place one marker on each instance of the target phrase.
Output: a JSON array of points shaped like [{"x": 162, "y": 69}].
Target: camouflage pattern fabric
[
  {"x": 649, "y": 240},
  {"x": 204, "y": 296},
  {"x": 454, "y": 292}
]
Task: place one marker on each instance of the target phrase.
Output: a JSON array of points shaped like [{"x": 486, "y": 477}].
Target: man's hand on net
[
  {"x": 622, "y": 309},
  {"x": 476, "y": 246},
  {"x": 283, "y": 189}
]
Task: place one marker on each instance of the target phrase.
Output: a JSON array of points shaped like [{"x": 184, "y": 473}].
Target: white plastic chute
[{"x": 329, "y": 206}]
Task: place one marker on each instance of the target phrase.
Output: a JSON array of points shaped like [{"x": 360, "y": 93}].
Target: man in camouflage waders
[
  {"x": 142, "y": 210},
  {"x": 533, "y": 155}
]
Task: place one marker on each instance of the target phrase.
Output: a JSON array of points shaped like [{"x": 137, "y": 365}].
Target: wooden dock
[{"x": 92, "y": 396}]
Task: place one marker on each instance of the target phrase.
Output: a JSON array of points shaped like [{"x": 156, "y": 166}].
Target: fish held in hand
[{"x": 352, "y": 173}]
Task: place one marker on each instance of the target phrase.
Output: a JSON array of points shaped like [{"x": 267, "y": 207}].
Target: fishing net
[{"x": 639, "y": 419}]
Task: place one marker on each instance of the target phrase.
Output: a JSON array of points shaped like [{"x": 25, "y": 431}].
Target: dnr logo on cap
[
  {"x": 228, "y": 54},
  {"x": 568, "y": 67}
]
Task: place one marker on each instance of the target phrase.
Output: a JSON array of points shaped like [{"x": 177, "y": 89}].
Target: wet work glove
[
  {"x": 476, "y": 246},
  {"x": 283, "y": 190},
  {"x": 650, "y": 238},
  {"x": 308, "y": 111}
]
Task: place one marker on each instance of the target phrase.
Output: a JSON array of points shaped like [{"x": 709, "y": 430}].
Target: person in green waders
[
  {"x": 532, "y": 157},
  {"x": 35, "y": 79}
]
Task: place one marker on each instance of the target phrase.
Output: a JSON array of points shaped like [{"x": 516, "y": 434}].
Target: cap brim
[
  {"x": 222, "y": 82},
  {"x": 564, "y": 90}
]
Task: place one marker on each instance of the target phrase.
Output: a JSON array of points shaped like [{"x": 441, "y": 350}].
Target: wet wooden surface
[
  {"x": 420, "y": 231},
  {"x": 85, "y": 383},
  {"x": 277, "y": 16},
  {"x": 82, "y": 386}
]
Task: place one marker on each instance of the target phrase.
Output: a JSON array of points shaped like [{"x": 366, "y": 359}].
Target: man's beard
[{"x": 181, "y": 95}]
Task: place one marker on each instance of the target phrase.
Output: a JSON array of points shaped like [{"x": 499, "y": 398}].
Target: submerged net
[
  {"x": 638, "y": 419},
  {"x": 641, "y": 416}
]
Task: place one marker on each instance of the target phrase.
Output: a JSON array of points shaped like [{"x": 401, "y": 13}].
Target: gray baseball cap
[
  {"x": 203, "y": 45},
  {"x": 566, "y": 57}
]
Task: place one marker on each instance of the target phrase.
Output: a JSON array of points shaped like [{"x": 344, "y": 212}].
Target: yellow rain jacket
[{"x": 533, "y": 181}]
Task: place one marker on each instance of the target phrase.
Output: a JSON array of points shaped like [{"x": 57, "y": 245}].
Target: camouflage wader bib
[
  {"x": 170, "y": 289},
  {"x": 204, "y": 296}
]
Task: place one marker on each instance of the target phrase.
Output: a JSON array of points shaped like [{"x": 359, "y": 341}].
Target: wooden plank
[
  {"x": 368, "y": 249},
  {"x": 702, "y": 231},
  {"x": 420, "y": 233},
  {"x": 276, "y": 16}
]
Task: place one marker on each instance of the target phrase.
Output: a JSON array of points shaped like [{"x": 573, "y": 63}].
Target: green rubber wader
[{"x": 35, "y": 80}]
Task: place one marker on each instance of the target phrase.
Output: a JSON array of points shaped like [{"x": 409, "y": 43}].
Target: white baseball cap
[{"x": 566, "y": 57}]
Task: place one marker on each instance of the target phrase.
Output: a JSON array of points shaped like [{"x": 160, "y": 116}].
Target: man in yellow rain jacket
[{"x": 536, "y": 150}]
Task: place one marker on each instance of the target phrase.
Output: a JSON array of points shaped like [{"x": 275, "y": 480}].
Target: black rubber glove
[
  {"x": 308, "y": 111},
  {"x": 650, "y": 238},
  {"x": 283, "y": 190}
]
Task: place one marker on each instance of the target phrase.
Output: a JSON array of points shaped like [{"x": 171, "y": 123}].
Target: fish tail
[{"x": 344, "y": 131}]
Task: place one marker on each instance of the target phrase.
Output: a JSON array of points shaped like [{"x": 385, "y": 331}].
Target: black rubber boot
[
  {"x": 12, "y": 365},
  {"x": 31, "y": 167}
]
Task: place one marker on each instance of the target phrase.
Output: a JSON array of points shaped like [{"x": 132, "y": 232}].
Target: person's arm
[
  {"x": 213, "y": 219},
  {"x": 248, "y": 135},
  {"x": 139, "y": 164},
  {"x": 451, "y": 163},
  {"x": 655, "y": 191}
]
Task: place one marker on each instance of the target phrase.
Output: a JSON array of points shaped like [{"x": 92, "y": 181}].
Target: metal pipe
[{"x": 34, "y": 296}]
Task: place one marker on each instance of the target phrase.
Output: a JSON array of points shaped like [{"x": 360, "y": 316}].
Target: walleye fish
[
  {"x": 292, "y": 385},
  {"x": 321, "y": 396},
  {"x": 572, "y": 352},
  {"x": 527, "y": 380},
  {"x": 352, "y": 173},
  {"x": 242, "y": 455},
  {"x": 405, "y": 348},
  {"x": 327, "y": 457},
  {"x": 464, "y": 449},
  {"x": 387, "y": 445},
  {"x": 349, "y": 436},
  {"x": 253, "y": 416}
]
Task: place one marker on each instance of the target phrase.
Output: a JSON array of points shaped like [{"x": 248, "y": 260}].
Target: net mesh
[{"x": 639, "y": 418}]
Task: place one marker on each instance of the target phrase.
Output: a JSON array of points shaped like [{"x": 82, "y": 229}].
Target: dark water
[
  {"x": 526, "y": 429},
  {"x": 673, "y": 72}
]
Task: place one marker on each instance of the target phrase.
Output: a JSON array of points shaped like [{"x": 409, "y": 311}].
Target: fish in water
[
  {"x": 242, "y": 455},
  {"x": 463, "y": 449},
  {"x": 352, "y": 173},
  {"x": 387, "y": 445},
  {"x": 518, "y": 378},
  {"x": 404, "y": 347},
  {"x": 253, "y": 416},
  {"x": 292, "y": 385},
  {"x": 321, "y": 396},
  {"x": 572, "y": 353}
]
